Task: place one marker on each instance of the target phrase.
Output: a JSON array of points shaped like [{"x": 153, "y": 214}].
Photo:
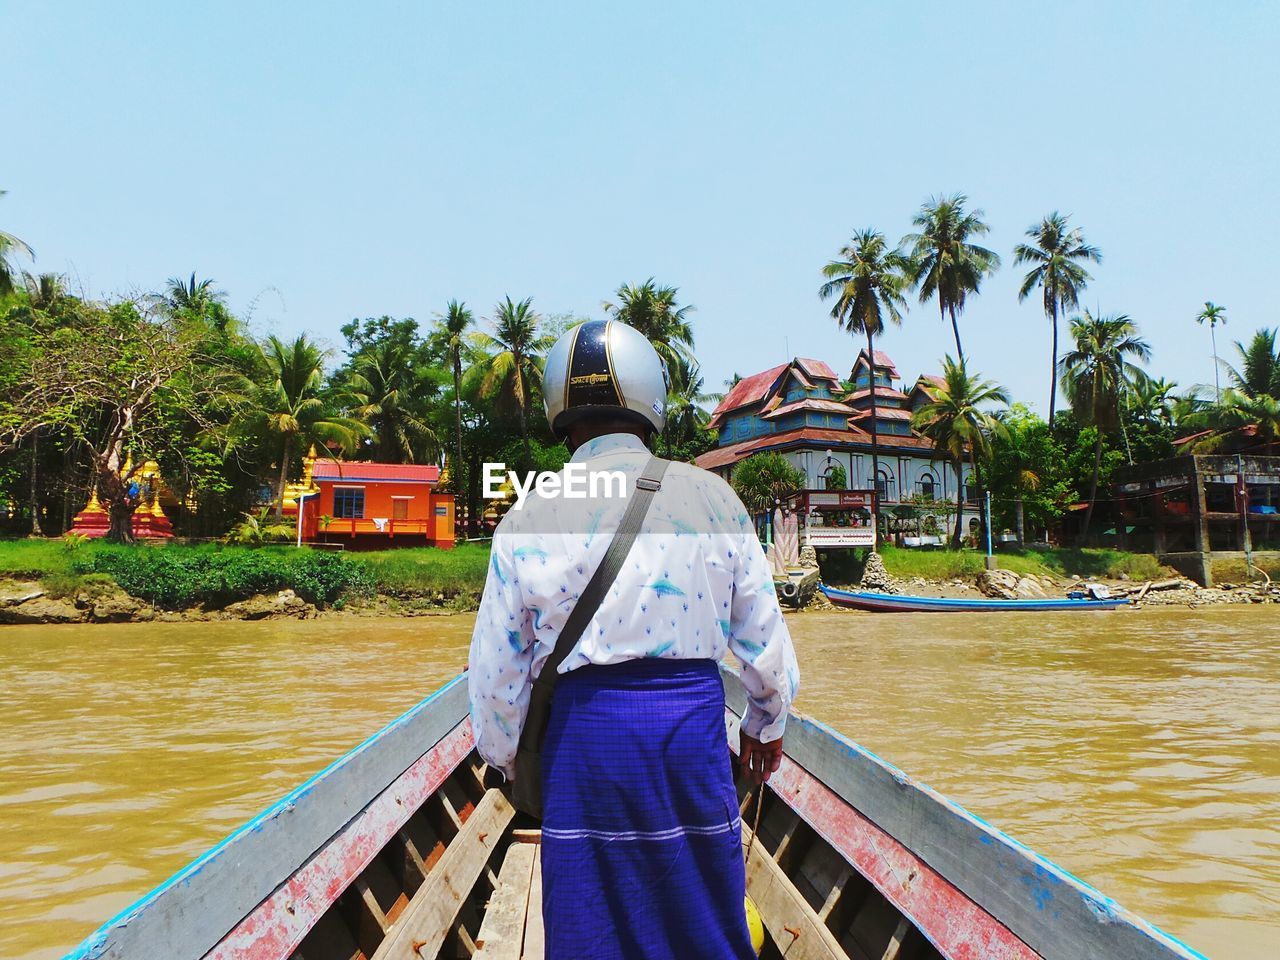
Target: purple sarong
[{"x": 641, "y": 839}]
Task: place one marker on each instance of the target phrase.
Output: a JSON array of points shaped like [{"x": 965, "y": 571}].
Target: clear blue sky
[{"x": 374, "y": 158}]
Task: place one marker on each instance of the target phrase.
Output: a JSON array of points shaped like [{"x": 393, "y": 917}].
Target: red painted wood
[
  {"x": 277, "y": 925},
  {"x": 958, "y": 927}
]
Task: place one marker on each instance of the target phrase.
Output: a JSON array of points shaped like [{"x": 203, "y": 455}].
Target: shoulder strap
[{"x": 647, "y": 484}]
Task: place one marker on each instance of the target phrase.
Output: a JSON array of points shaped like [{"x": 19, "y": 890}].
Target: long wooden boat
[
  {"x": 407, "y": 848},
  {"x": 905, "y": 603}
]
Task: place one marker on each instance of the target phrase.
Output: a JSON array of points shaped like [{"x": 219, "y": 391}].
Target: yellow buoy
[{"x": 756, "y": 926}]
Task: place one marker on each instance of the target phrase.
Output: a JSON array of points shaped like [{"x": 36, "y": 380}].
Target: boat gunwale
[
  {"x": 950, "y": 839},
  {"x": 101, "y": 942}
]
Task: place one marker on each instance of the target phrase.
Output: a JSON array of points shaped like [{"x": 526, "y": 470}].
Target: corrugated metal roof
[{"x": 355, "y": 470}]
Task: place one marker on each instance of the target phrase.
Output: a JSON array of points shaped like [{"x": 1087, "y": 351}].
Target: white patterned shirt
[{"x": 694, "y": 584}]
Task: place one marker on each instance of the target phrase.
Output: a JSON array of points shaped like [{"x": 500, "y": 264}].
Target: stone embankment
[{"x": 27, "y": 602}]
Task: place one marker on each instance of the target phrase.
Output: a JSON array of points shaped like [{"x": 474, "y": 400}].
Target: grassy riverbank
[
  {"x": 181, "y": 576},
  {"x": 966, "y": 564}
]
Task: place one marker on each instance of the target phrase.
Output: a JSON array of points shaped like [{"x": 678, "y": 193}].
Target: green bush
[{"x": 181, "y": 577}]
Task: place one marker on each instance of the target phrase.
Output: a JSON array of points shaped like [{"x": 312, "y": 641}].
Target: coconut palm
[
  {"x": 386, "y": 390},
  {"x": 1153, "y": 400},
  {"x": 288, "y": 405},
  {"x": 866, "y": 284},
  {"x": 1096, "y": 373},
  {"x": 451, "y": 331},
  {"x": 1259, "y": 370},
  {"x": 1213, "y": 314},
  {"x": 1058, "y": 253},
  {"x": 9, "y": 246},
  {"x": 686, "y": 411},
  {"x": 946, "y": 264},
  {"x": 956, "y": 420},
  {"x": 511, "y": 366},
  {"x": 653, "y": 310},
  {"x": 44, "y": 290},
  {"x": 1239, "y": 419}
]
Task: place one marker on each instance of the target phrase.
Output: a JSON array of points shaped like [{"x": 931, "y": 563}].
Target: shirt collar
[{"x": 608, "y": 443}]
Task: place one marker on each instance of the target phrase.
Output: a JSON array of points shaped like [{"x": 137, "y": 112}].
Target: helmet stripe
[{"x": 591, "y": 381}]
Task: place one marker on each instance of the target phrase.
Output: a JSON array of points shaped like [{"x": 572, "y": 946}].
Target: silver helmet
[{"x": 604, "y": 366}]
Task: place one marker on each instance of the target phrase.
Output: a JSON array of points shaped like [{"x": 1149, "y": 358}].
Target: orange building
[{"x": 373, "y": 505}]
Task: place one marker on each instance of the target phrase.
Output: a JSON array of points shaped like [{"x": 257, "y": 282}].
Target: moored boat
[
  {"x": 905, "y": 603},
  {"x": 408, "y": 848}
]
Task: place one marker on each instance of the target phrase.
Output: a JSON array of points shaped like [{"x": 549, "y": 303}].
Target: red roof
[
  {"x": 346, "y": 471},
  {"x": 812, "y": 436},
  {"x": 817, "y": 404},
  {"x": 755, "y": 388},
  {"x": 881, "y": 391},
  {"x": 882, "y": 360},
  {"x": 883, "y": 413},
  {"x": 746, "y": 391}
]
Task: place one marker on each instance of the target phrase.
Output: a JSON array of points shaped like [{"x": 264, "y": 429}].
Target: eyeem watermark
[{"x": 575, "y": 482}]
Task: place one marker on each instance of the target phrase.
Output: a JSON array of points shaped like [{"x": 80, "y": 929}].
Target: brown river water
[{"x": 1138, "y": 749}]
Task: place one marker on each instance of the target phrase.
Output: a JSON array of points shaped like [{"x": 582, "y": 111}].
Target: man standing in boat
[{"x": 641, "y": 838}]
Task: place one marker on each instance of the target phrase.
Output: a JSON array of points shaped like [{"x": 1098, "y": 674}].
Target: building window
[
  {"x": 348, "y": 503},
  {"x": 399, "y": 508},
  {"x": 884, "y": 486},
  {"x": 928, "y": 485}
]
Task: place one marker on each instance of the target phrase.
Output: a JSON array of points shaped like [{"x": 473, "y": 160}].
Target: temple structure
[
  {"x": 804, "y": 411},
  {"x": 150, "y": 522}
]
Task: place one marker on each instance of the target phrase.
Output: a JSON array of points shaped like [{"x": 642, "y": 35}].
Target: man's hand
[{"x": 758, "y": 760}]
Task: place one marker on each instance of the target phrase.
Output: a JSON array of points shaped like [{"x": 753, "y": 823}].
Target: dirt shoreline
[{"x": 25, "y": 601}]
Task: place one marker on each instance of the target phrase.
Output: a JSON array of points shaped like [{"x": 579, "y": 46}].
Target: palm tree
[
  {"x": 45, "y": 289},
  {"x": 289, "y": 405},
  {"x": 512, "y": 366},
  {"x": 946, "y": 264},
  {"x": 1096, "y": 374},
  {"x": 867, "y": 284},
  {"x": 386, "y": 388},
  {"x": 9, "y": 245},
  {"x": 1240, "y": 418},
  {"x": 654, "y": 312},
  {"x": 1153, "y": 400},
  {"x": 190, "y": 296},
  {"x": 1058, "y": 253},
  {"x": 451, "y": 332},
  {"x": 1213, "y": 314},
  {"x": 686, "y": 413},
  {"x": 954, "y": 419},
  {"x": 1259, "y": 371}
]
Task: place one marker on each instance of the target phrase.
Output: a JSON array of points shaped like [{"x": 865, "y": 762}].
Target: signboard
[
  {"x": 836, "y": 499},
  {"x": 818, "y": 537}
]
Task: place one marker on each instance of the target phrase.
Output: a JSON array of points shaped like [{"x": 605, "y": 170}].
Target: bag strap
[{"x": 647, "y": 484}]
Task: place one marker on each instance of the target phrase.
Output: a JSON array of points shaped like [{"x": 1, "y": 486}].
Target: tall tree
[
  {"x": 1213, "y": 314},
  {"x": 946, "y": 263},
  {"x": 451, "y": 332},
  {"x": 1096, "y": 374},
  {"x": 111, "y": 379},
  {"x": 511, "y": 366},
  {"x": 9, "y": 246},
  {"x": 685, "y": 434},
  {"x": 655, "y": 312},
  {"x": 1259, "y": 370},
  {"x": 956, "y": 420},
  {"x": 387, "y": 392},
  {"x": 289, "y": 407},
  {"x": 1057, "y": 252},
  {"x": 866, "y": 285}
]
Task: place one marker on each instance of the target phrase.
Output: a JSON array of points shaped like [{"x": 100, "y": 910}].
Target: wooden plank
[
  {"x": 534, "y": 933},
  {"x": 793, "y": 924},
  {"x": 284, "y": 918},
  {"x": 1054, "y": 913},
  {"x": 895, "y": 941},
  {"x": 184, "y": 917},
  {"x": 421, "y": 929},
  {"x": 501, "y": 934}
]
